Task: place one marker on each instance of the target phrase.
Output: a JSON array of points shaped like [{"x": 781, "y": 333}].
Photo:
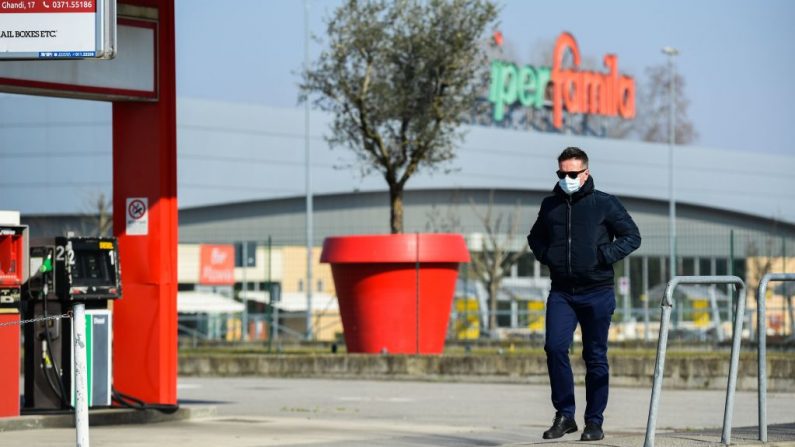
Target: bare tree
[
  {"x": 494, "y": 261},
  {"x": 98, "y": 216},
  {"x": 651, "y": 123},
  {"x": 447, "y": 222},
  {"x": 760, "y": 263},
  {"x": 104, "y": 216}
]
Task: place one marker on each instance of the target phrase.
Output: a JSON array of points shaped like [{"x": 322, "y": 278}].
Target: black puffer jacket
[{"x": 579, "y": 237}]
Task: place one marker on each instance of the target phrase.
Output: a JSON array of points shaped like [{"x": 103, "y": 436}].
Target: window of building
[
  {"x": 688, "y": 267},
  {"x": 721, "y": 266},
  {"x": 705, "y": 266},
  {"x": 300, "y": 285},
  {"x": 636, "y": 279},
  {"x": 248, "y": 286},
  {"x": 656, "y": 271},
  {"x": 503, "y": 314},
  {"x": 525, "y": 265},
  {"x": 739, "y": 268},
  {"x": 544, "y": 271},
  {"x": 275, "y": 290}
]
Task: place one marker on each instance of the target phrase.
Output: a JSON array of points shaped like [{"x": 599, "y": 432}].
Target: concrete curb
[
  {"x": 111, "y": 416},
  {"x": 685, "y": 372}
]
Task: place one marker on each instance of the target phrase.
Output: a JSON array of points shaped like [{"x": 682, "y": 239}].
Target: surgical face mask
[{"x": 569, "y": 185}]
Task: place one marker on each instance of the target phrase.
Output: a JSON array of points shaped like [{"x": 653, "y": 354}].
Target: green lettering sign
[{"x": 510, "y": 83}]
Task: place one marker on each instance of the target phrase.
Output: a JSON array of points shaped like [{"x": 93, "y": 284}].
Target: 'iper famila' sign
[{"x": 576, "y": 91}]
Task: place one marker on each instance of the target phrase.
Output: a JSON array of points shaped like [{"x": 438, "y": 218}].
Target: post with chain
[
  {"x": 36, "y": 320},
  {"x": 81, "y": 384}
]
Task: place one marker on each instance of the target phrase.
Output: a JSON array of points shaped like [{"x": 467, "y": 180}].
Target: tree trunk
[
  {"x": 396, "y": 209},
  {"x": 493, "y": 290},
  {"x": 104, "y": 223}
]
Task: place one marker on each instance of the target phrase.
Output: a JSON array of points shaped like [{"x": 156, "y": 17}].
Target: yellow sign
[
  {"x": 701, "y": 313},
  {"x": 535, "y": 316},
  {"x": 105, "y": 245},
  {"x": 467, "y": 325},
  {"x": 234, "y": 329}
]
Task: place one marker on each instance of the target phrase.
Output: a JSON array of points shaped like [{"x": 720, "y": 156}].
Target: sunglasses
[{"x": 571, "y": 174}]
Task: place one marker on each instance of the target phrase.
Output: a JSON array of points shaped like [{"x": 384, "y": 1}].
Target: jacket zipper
[{"x": 568, "y": 236}]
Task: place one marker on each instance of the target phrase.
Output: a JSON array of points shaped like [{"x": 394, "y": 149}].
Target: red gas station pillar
[
  {"x": 9, "y": 373},
  {"x": 145, "y": 166}
]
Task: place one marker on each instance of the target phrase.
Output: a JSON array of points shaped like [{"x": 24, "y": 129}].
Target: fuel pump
[
  {"x": 68, "y": 270},
  {"x": 13, "y": 266},
  {"x": 13, "y": 273}
]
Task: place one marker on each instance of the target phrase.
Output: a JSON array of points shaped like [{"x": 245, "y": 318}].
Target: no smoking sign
[{"x": 137, "y": 216}]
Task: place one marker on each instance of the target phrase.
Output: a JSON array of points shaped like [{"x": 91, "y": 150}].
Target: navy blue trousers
[{"x": 593, "y": 310}]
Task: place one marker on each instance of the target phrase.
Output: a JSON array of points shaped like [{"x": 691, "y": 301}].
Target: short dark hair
[{"x": 575, "y": 153}]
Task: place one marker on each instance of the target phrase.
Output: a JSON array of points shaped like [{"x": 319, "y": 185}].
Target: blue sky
[{"x": 737, "y": 57}]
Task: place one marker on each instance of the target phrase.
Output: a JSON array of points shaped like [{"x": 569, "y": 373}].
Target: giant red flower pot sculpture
[{"x": 395, "y": 291}]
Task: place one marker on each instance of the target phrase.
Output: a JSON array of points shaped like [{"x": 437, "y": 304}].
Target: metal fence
[{"x": 270, "y": 287}]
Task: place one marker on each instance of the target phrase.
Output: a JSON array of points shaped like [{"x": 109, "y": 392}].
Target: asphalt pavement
[{"x": 311, "y": 412}]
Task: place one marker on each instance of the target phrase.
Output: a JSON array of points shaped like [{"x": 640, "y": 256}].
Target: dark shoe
[
  {"x": 561, "y": 426},
  {"x": 592, "y": 432}
]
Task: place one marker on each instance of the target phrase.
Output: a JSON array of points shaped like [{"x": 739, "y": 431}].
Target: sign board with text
[
  {"x": 563, "y": 86},
  {"x": 57, "y": 29},
  {"x": 131, "y": 75},
  {"x": 217, "y": 264},
  {"x": 137, "y": 216}
]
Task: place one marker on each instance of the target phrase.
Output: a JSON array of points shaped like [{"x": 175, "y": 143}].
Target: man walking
[{"x": 580, "y": 232}]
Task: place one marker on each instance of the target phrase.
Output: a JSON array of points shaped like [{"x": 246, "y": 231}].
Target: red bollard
[{"x": 9, "y": 358}]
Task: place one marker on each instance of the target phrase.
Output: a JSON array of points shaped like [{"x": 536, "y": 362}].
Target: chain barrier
[{"x": 67, "y": 315}]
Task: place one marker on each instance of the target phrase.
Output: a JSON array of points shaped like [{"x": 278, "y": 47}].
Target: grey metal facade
[{"x": 702, "y": 231}]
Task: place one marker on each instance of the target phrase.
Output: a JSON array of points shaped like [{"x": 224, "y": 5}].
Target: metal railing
[
  {"x": 659, "y": 368},
  {"x": 203, "y": 327},
  {"x": 761, "y": 327}
]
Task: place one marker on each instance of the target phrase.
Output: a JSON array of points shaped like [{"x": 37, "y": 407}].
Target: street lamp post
[
  {"x": 308, "y": 169},
  {"x": 671, "y": 52}
]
